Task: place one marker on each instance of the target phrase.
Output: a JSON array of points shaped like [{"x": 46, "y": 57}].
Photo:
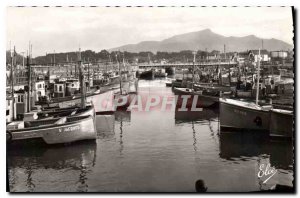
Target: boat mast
[
  {"x": 29, "y": 83},
  {"x": 258, "y": 68},
  {"x": 89, "y": 71},
  {"x": 194, "y": 60},
  {"x": 110, "y": 62},
  {"x": 124, "y": 63},
  {"x": 220, "y": 72},
  {"x": 81, "y": 80},
  {"x": 12, "y": 82},
  {"x": 120, "y": 75}
]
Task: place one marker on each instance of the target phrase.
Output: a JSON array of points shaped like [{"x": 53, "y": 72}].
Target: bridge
[{"x": 186, "y": 65}]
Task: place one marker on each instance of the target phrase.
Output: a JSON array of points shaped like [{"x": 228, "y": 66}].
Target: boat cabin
[
  {"x": 21, "y": 103},
  {"x": 9, "y": 113},
  {"x": 72, "y": 87},
  {"x": 59, "y": 89}
]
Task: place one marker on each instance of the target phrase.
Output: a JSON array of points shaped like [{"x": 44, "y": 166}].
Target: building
[
  {"x": 252, "y": 55},
  {"x": 39, "y": 89},
  {"x": 263, "y": 53},
  {"x": 279, "y": 54}
]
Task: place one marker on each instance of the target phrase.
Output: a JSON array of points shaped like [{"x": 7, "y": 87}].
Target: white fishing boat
[
  {"x": 54, "y": 131},
  {"x": 242, "y": 115}
]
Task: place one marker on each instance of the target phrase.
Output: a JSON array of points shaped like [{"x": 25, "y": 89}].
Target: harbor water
[{"x": 154, "y": 151}]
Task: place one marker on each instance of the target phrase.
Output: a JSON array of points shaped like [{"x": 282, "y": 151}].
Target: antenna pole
[
  {"x": 194, "y": 60},
  {"x": 258, "y": 68},
  {"x": 29, "y": 83},
  {"x": 82, "y": 90},
  {"x": 120, "y": 76},
  {"x": 12, "y": 83}
]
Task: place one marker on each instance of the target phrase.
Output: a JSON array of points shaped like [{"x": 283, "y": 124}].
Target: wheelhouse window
[{"x": 20, "y": 99}]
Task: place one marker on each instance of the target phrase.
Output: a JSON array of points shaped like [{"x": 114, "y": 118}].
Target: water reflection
[
  {"x": 205, "y": 117},
  {"x": 247, "y": 144},
  {"x": 206, "y": 114},
  {"x": 78, "y": 159},
  {"x": 105, "y": 126},
  {"x": 122, "y": 117},
  {"x": 154, "y": 151}
]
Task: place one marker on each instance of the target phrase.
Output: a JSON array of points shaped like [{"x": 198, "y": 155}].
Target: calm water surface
[{"x": 153, "y": 152}]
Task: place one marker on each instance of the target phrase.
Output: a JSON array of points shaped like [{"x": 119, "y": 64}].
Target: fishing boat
[
  {"x": 160, "y": 73},
  {"x": 241, "y": 115},
  {"x": 64, "y": 129},
  {"x": 68, "y": 111},
  {"x": 202, "y": 98},
  {"x": 188, "y": 116},
  {"x": 177, "y": 83},
  {"x": 213, "y": 88},
  {"x": 281, "y": 124},
  {"x": 147, "y": 74},
  {"x": 98, "y": 98},
  {"x": 122, "y": 98},
  {"x": 54, "y": 131}
]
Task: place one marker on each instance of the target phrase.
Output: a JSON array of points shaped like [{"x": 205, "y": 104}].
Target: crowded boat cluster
[
  {"x": 254, "y": 95},
  {"x": 58, "y": 104}
]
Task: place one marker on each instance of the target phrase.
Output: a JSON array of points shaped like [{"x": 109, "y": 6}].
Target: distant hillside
[{"x": 206, "y": 39}]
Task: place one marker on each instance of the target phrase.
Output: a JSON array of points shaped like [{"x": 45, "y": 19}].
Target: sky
[{"x": 63, "y": 29}]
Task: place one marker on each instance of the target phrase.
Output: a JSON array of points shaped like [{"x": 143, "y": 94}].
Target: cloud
[{"x": 65, "y": 28}]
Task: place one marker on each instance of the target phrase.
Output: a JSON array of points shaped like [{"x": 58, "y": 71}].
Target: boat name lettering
[
  {"x": 72, "y": 128},
  {"x": 240, "y": 112}
]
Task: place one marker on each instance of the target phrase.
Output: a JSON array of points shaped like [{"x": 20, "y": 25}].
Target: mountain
[{"x": 206, "y": 40}]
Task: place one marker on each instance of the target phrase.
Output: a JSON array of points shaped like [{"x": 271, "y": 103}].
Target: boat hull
[
  {"x": 148, "y": 75},
  {"x": 281, "y": 123},
  {"x": 233, "y": 117},
  {"x": 60, "y": 112},
  {"x": 84, "y": 129},
  {"x": 101, "y": 102},
  {"x": 201, "y": 100},
  {"x": 212, "y": 87}
]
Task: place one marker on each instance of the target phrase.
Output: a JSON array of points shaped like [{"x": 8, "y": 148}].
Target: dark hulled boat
[
  {"x": 281, "y": 124},
  {"x": 203, "y": 99},
  {"x": 148, "y": 74}
]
